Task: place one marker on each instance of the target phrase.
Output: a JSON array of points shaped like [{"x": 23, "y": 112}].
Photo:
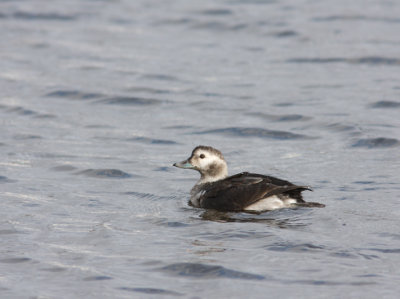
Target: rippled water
[{"x": 100, "y": 98}]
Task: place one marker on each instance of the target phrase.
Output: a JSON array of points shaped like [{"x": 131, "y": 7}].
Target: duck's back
[{"x": 244, "y": 190}]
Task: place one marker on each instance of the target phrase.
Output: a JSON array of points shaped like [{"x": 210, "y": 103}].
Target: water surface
[{"x": 100, "y": 98}]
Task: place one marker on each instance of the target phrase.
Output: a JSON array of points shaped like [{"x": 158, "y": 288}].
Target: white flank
[{"x": 271, "y": 203}]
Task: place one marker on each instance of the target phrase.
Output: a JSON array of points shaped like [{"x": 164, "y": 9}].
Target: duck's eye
[{"x": 202, "y": 156}]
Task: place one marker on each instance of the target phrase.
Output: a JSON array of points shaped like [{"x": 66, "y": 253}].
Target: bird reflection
[{"x": 277, "y": 221}]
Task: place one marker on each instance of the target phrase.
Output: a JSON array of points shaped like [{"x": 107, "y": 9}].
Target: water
[{"x": 100, "y": 98}]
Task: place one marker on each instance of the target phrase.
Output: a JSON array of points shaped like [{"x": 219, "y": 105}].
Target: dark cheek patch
[{"x": 213, "y": 169}]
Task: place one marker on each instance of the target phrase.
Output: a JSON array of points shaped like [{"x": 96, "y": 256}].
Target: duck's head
[{"x": 208, "y": 161}]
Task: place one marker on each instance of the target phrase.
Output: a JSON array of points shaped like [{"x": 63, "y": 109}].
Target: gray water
[{"x": 99, "y": 98}]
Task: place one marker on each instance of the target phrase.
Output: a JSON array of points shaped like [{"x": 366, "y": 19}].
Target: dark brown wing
[{"x": 239, "y": 191}]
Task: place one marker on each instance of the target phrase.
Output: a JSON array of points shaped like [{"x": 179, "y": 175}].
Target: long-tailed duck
[{"x": 241, "y": 192}]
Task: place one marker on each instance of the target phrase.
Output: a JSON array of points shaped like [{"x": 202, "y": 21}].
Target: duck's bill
[{"x": 184, "y": 164}]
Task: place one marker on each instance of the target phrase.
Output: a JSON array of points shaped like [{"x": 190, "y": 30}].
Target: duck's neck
[{"x": 213, "y": 176}]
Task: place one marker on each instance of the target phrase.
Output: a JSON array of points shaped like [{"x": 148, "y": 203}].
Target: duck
[{"x": 242, "y": 192}]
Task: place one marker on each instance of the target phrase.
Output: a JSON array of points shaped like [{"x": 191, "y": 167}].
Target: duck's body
[
  {"x": 241, "y": 192},
  {"x": 246, "y": 192}
]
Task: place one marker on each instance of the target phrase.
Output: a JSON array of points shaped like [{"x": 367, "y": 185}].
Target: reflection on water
[
  {"x": 265, "y": 218},
  {"x": 207, "y": 271}
]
